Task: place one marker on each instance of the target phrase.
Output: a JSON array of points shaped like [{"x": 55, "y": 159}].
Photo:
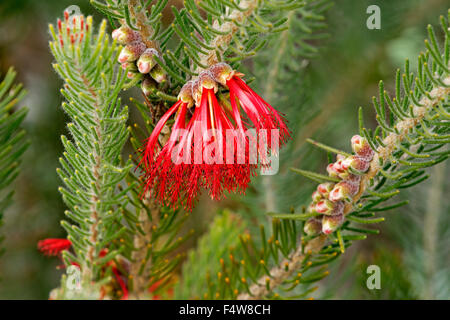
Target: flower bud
[
  {"x": 125, "y": 35},
  {"x": 325, "y": 188},
  {"x": 207, "y": 81},
  {"x": 221, "y": 72},
  {"x": 362, "y": 147},
  {"x": 358, "y": 164},
  {"x": 130, "y": 66},
  {"x": 332, "y": 172},
  {"x": 196, "y": 93},
  {"x": 158, "y": 74},
  {"x": 148, "y": 86},
  {"x": 132, "y": 52},
  {"x": 343, "y": 191},
  {"x": 185, "y": 94},
  {"x": 354, "y": 179},
  {"x": 147, "y": 61},
  {"x": 324, "y": 206},
  {"x": 312, "y": 227},
  {"x": 311, "y": 207},
  {"x": 316, "y": 196},
  {"x": 332, "y": 223}
]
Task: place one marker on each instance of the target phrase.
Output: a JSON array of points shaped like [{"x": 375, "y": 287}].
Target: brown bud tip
[
  {"x": 207, "y": 81},
  {"x": 221, "y": 72},
  {"x": 185, "y": 94}
]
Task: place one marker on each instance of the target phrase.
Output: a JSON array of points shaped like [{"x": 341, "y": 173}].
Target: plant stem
[{"x": 430, "y": 226}]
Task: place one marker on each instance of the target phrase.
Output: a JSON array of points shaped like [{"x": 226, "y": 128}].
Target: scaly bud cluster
[
  {"x": 329, "y": 199},
  {"x": 138, "y": 59}
]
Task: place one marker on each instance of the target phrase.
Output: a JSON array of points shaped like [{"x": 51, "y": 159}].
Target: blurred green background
[{"x": 413, "y": 247}]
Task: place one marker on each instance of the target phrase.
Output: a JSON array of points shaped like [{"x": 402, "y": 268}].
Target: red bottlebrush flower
[
  {"x": 53, "y": 247},
  {"x": 261, "y": 114},
  {"x": 211, "y": 152}
]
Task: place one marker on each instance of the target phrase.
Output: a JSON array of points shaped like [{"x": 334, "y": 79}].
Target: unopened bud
[
  {"x": 148, "y": 86},
  {"x": 132, "y": 52},
  {"x": 332, "y": 172},
  {"x": 312, "y": 227},
  {"x": 332, "y": 223},
  {"x": 362, "y": 147},
  {"x": 325, "y": 188},
  {"x": 357, "y": 163},
  {"x": 125, "y": 35},
  {"x": 343, "y": 191},
  {"x": 158, "y": 74},
  {"x": 207, "y": 81},
  {"x": 353, "y": 178},
  {"x": 221, "y": 72},
  {"x": 196, "y": 93},
  {"x": 324, "y": 206},
  {"x": 185, "y": 94},
  {"x": 311, "y": 207},
  {"x": 147, "y": 61},
  {"x": 316, "y": 196}
]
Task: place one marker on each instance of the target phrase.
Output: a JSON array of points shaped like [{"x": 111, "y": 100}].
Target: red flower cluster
[{"x": 215, "y": 149}]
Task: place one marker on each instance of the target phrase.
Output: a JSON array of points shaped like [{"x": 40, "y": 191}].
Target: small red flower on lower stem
[
  {"x": 53, "y": 247},
  {"x": 212, "y": 151}
]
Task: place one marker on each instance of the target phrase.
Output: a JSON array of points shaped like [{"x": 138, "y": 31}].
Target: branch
[{"x": 265, "y": 284}]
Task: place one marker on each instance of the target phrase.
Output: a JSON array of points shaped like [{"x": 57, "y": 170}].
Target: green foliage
[
  {"x": 205, "y": 262},
  {"x": 91, "y": 166},
  {"x": 157, "y": 231},
  {"x": 12, "y": 138},
  {"x": 201, "y": 32}
]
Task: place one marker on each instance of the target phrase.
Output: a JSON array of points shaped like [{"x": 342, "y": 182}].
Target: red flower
[
  {"x": 212, "y": 148},
  {"x": 53, "y": 247}
]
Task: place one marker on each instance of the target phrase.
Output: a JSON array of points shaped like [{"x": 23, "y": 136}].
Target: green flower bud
[
  {"x": 313, "y": 227},
  {"x": 158, "y": 74},
  {"x": 148, "y": 86}
]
